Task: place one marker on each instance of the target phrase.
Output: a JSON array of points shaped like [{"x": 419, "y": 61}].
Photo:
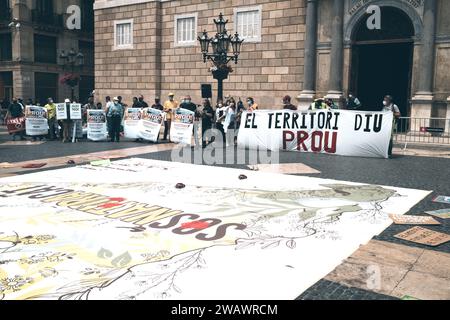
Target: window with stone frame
[
  {"x": 123, "y": 34},
  {"x": 185, "y": 29},
  {"x": 247, "y": 22}
]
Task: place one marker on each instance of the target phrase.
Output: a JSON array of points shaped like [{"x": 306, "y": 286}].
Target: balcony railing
[{"x": 47, "y": 18}]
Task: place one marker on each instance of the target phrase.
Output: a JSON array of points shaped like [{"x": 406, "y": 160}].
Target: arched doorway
[{"x": 382, "y": 60}]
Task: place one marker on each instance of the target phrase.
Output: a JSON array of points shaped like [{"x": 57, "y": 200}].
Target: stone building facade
[
  {"x": 304, "y": 48},
  {"x": 29, "y": 63}
]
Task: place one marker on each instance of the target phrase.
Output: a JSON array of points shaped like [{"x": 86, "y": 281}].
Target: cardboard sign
[
  {"x": 36, "y": 123},
  {"x": 417, "y": 220},
  {"x": 443, "y": 213},
  {"x": 424, "y": 236},
  {"x": 61, "y": 111},
  {"x": 96, "y": 124},
  {"x": 150, "y": 125},
  {"x": 131, "y": 122},
  {"x": 182, "y": 126},
  {"x": 442, "y": 199},
  {"x": 75, "y": 111}
]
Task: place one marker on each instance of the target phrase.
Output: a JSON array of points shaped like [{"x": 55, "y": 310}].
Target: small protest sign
[
  {"x": 424, "y": 236},
  {"x": 416, "y": 220}
]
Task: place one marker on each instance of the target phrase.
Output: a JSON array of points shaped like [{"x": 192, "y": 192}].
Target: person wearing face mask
[
  {"x": 352, "y": 102},
  {"x": 115, "y": 113},
  {"x": 252, "y": 106},
  {"x": 229, "y": 125},
  {"x": 390, "y": 106},
  {"x": 169, "y": 107}
]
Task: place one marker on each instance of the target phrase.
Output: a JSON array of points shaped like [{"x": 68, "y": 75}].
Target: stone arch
[{"x": 405, "y": 7}]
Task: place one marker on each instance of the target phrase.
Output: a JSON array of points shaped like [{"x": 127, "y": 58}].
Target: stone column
[
  {"x": 309, "y": 85},
  {"x": 337, "y": 52},
  {"x": 422, "y": 101},
  {"x": 447, "y": 121}
]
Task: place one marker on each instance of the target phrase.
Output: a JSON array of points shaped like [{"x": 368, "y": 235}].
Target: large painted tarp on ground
[
  {"x": 340, "y": 132},
  {"x": 96, "y": 125},
  {"x": 123, "y": 231},
  {"x": 182, "y": 126},
  {"x": 36, "y": 123}
]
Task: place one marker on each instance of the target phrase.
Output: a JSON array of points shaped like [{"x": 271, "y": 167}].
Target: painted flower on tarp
[
  {"x": 70, "y": 79},
  {"x": 14, "y": 283}
]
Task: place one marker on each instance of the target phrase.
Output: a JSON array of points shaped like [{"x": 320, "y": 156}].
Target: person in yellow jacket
[
  {"x": 53, "y": 128},
  {"x": 319, "y": 104},
  {"x": 169, "y": 107}
]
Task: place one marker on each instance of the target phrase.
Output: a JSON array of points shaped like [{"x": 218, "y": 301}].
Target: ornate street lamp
[
  {"x": 220, "y": 58},
  {"x": 71, "y": 61}
]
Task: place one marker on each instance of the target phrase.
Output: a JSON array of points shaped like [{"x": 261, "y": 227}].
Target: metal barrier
[{"x": 422, "y": 131}]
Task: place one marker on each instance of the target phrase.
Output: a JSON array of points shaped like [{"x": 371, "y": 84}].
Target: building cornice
[{"x": 105, "y": 4}]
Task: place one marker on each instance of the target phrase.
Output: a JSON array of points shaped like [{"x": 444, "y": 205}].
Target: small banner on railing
[{"x": 340, "y": 132}]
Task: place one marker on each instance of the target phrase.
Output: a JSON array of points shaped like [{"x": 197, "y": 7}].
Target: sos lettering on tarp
[{"x": 347, "y": 133}]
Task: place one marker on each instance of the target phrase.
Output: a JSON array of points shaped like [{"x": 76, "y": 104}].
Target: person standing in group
[
  {"x": 229, "y": 124},
  {"x": 207, "y": 115},
  {"x": 287, "y": 105},
  {"x": 252, "y": 106},
  {"x": 108, "y": 105},
  {"x": 352, "y": 102},
  {"x": 116, "y": 113},
  {"x": 67, "y": 123},
  {"x": 390, "y": 106},
  {"x": 136, "y": 103},
  {"x": 189, "y": 105},
  {"x": 15, "y": 110},
  {"x": 220, "y": 118},
  {"x": 99, "y": 106},
  {"x": 319, "y": 104},
  {"x": 53, "y": 128},
  {"x": 141, "y": 102},
  {"x": 157, "y": 105},
  {"x": 169, "y": 107}
]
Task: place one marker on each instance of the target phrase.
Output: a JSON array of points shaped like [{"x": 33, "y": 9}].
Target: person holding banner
[
  {"x": 390, "y": 106},
  {"x": 66, "y": 123},
  {"x": 15, "y": 120},
  {"x": 116, "y": 113},
  {"x": 51, "y": 118}
]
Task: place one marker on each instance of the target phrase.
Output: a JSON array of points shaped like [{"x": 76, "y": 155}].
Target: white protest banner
[
  {"x": 96, "y": 124},
  {"x": 131, "y": 123},
  {"x": 75, "y": 111},
  {"x": 36, "y": 123},
  {"x": 61, "y": 111},
  {"x": 340, "y": 132},
  {"x": 182, "y": 126},
  {"x": 150, "y": 125}
]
